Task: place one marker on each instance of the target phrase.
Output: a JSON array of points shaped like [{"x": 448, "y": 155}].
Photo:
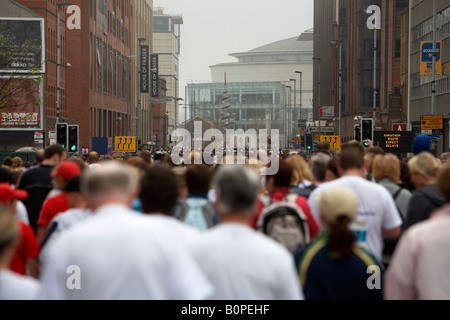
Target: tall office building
[{"x": 166, "y": 44}]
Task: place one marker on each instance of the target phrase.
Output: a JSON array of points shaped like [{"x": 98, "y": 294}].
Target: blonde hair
[
  {"x": 425, "y": 163},
  {"x": 300, "y": 169},
  {"x": 386, "y": 166},
  {"x": 9, "y": 229},
  {"x": 17, "y": 162}
]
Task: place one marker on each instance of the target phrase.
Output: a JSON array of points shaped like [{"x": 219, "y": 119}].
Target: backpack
[
  {"x": 284, "y": 222},
  {"x": 196, "y": 212},
  {"x": 304, "y": 192}
]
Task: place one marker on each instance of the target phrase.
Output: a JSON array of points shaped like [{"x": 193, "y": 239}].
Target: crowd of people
[{"x": 361, "y": 224}]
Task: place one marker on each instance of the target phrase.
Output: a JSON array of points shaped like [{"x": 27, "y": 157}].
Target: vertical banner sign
[
  {"x": 154, "y": 75},
  {"x": 426, "y": 58},
  {"x": 144, "y": 69}
]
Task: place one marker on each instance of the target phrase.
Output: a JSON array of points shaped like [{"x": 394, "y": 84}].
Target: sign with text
[
  {"x": 399, "y": 127},
  {"x": 394, "y": 141},
  {"x": 144, "y": 69},
  {"x": 334, "y": 141},
  {"x": 426, "y": 58},
  {"x": 327, "y": 112},
  {"x": 22, "y": 45},
  {"x": 432, "y": 125},
  {"x": 154, "y": 65},
  {"x": 125, "y": 144}
]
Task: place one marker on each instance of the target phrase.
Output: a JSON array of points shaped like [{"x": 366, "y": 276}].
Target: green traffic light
[{"x": 73, "y": 148}]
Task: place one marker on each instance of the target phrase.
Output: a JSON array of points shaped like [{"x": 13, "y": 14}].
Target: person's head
[
  {"x": 386, "y": 167},
  {"x": 370, "y": 154},
  {"x": 282, "y": 178},
  {"x": 73, "y": 193},
  {"x": 10, "y": 195},
  {"x": 405, "y": 175},
  {"x": 338, "y": 207},
  {"x": 332, "y": 169},
  {"x": 198, "y": 179},
  {"x": 159, "y": 190},
  {"x": 236, "y": 190},
  {"x": 39, "y": 157},
  {"x": 7, "y": 161},
  {"x": 423, "y": 169},
  {"x": 180, "y": 175},
  {"x": 445, "y": 158},
  {"x": 443, "y": 182},
  {"x": 64, "y": 172},
  {"x": 319, "y": 164},
  {"x": 93, "y": 157},
  {"x": 9, "y": 236},
  {"x": 421, "y": 144},
  {"x": 54, "y": 155},
  {"x": 133, "y": 160},
  {"x": 323, "y": 147},
  {"x": 300, "y": 169},
  {"x": 5, "y": 175},
  {"x": 146, "y": 156},
  {"x": 112, "y": 183},
  {"x": 351, "y": 158},
  {"x": 17, "y": 162}
]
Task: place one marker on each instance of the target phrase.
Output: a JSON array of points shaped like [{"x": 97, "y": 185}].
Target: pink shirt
[{"x": 419, "y": 266}]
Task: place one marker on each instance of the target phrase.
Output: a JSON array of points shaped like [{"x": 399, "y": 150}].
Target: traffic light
[
  {"x": 61, "y": 134},
  {"x": 357, "y": 131},
  {"x": 309, "y": 141},
  {"x": 269, "y": 140},
  {"x": 73, "y": 138},
  {"x": 367, "y": 129}
]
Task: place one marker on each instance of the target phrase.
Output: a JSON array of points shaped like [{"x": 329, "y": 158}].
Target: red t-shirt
[
  {"x": 277, "y": 196},
  {"x": 27, "y": 249},
  {"x": 51, "y": 208}
]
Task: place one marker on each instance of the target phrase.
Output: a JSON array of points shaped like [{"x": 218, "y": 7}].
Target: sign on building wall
[
  {"x": 22, "y": 45},
  {"x": 144, "y": 68},
  {"x": 426, "y": 58},
  {"x": 154, "y": 75},
  {"x": 21, "y": 103}
]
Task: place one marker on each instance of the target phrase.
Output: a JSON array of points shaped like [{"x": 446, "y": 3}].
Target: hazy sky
[{"x": 213, "y": 29}]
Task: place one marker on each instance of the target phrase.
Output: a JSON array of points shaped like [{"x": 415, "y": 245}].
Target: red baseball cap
[
  {"x": 67, "y": 170},
  {"x": 7, "y": 193}
]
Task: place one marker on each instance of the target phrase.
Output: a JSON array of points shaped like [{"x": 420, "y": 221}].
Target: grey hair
[
  {"x": 110, "y": 177},
  {"x": 319, "y": 164},
  {"x": 236, "y": 189}
]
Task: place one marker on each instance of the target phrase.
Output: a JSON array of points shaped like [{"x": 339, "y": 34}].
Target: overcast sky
[{"x": 213, "y": 29}]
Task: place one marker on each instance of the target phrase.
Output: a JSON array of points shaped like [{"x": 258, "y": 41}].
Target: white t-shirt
[
  {"x": 181, "y": 232},
  {"x": 243, "y": 264},
  {"x": 119, "y": 255},
  {"x": 64, "y": 221},
  {"x": 17, "y": 287},
  {"x": 376, "y": 210},
  {"x": 22, "y": 213}
]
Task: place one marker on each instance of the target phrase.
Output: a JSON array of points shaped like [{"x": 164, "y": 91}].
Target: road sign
[
  {"x": 334, "y": 141},
  {"x": 432, "y": 125},
  {"x": 426, "y": 58},
  {"x": 125, "y": 144},
  {"x": 321, "y": 130},
  {"x": 394, "y": 141},
  {"x": 400, "y": 127}
]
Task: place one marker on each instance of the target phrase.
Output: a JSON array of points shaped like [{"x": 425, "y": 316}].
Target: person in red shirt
[
  {"x": 278, "y": 187},
  {"x": 56, "y": 204},
  {"x": 24, "y": 260}
]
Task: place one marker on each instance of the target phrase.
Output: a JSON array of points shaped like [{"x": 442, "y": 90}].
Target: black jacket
[{"x": 422, "y": 204}]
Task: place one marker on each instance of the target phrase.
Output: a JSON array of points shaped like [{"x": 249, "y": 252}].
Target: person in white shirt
[
  {"x": 377, "y": 215},
  {"x": 12, "y": 285},
  {"x": 117, "y": 254},
  {"x": 241, "y": 263}
]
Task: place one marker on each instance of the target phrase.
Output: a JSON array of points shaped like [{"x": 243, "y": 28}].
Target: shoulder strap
[{"x": 397, "y": 193}]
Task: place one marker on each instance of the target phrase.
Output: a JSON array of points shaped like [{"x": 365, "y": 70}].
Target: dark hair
[
  {"x": 159, "y": 190},
  {"x": 282, "y": 178},
  {"x": 146, "y": 155},
  {"x": 376, "y": 150},
  {"x": 333, "y": 166},
  {"x": 50, "y": 151},
  {"x": 341, "y": 238},
  {"x": 7, "y": 161},
  {"x": 5, "y": 175},
  {"x": 443, "y": 182},
  {"x": 198, "y": 179},
  {"x": 351, "y": 156}
]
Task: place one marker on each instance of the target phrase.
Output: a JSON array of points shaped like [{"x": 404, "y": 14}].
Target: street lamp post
[
  {"x": 287, "y": 126},
  {"x": 295, "y": 103},
  {"x": 129, "y": 94},
  {"x": 301, "y": 97},
  {"x": 318, "y": 98},
  {"x": 58, "y": 58},
  {"x": 139, "y": 90}
]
